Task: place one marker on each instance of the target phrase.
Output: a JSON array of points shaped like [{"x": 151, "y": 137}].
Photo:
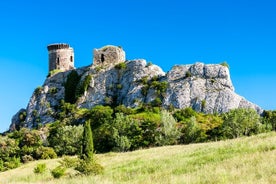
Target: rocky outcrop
[{"x": 205, "y": 88}]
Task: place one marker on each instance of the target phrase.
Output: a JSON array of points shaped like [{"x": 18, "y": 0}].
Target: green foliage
[
  {"x": 87, "y": 149},
  {"x": 168, "y": 132},
  {"x": 98, "y": 68},
  {"x": 149, "y": 64},
  {"x": 53, "y": 90},
  {"x": 89, "y": 167},
  {"x": 70, "y": 87},
  {"x": 58, "y": 172},
  {"x": 144, "y": 80},
  {"x": 53, "y": 72},
  {"x": 45, "y": 153},
  {"x": 159, "y": 87},
  {"x": 121, "y": 66},
  {"x": 12, "y": 163},
  {"x": 38, "y": 90},
  {"x": 225, "y": 64},
  {"x": 191, "y": 131},
  {"x": 188, "y": 74},
  {"x": 40, "y": 168},
  {"x": 22, "y": 116},
  {"x": 123, "y": 109},
  {"x": 120, "y": 132},
  {"x": 66, "y": 140},
  {"x": 241, "y": 122},
  {"x": 68, "y": 113},
  {"x": 69, "y": 162},
  {"x": 8, "y": 153},
  {"x": 144, "y": 89},
  {"x": 100, "y": 115},
  {"x": 83, "y": 86},
  {"x": 269, "y": 120},
  {"x": 184, "y": 114},
  {"x": 203, "y": 104},
  {"x": 108, "y": 100},
  {"x": 157, "y": 102},
  {"x": 119, "y": 86}
]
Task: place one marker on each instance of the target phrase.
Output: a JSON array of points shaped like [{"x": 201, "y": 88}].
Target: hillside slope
[{"x": 244, "y": 160}]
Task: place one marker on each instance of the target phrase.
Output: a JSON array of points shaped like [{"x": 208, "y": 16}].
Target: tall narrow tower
[{"x": 61, "y": 57}]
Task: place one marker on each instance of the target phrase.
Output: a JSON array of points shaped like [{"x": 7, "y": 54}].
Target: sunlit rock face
[{"x": 204, "y": 87}]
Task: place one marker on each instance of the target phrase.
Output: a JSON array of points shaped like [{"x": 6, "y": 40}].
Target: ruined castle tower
[
  {"x": 108, "y": 55},
  {"x": 61, "y": 57}
]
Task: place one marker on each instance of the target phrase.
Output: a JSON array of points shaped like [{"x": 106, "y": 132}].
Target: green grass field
[{"x": 244, "y": 160}]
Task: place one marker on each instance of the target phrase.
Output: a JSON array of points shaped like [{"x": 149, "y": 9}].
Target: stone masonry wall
[{"x": 108, "y": 55}]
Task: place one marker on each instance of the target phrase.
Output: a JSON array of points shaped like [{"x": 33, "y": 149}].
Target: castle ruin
[
  {"x": 108, "y": 55},
  {"x": 61, "y": 57}
]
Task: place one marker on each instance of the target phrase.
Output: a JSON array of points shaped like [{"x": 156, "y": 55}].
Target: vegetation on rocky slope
[{"x": 124, "y": 129}]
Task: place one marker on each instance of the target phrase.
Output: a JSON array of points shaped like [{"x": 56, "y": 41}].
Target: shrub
[
  {"x": 241, "y": 122},
  {"x": 27, "y": 158},
  {"x": 53, "y": 90},
  {"x": 53, "y": 72},
  {"x": 144, "y": 80},
  {"x": 12, "y": 163},
  {"x": 184, "y": 114},
  {"x": 168, "y": 131},
  {"x": 69, "y": 162},
  {"x": 119, "y": 86},
  {"x": 38, "y": 90},
  {"x": 149, "y": 64},
  {"x": 40, "y": 168},
  {"x": 188, "y": 74},
  {"x": 87, "y": 167},
  {"x": 191, "y": 132},
  {"x": 58, "y": 172},
  {"x": 269, "y": 120},
  {"x": 121, "y": 66},
  {"x": 45, "y": 153},
  {"x": 156, "y": 102},
  {"x": 83, "y": 86},
  {"x": 225, "y": 64}
]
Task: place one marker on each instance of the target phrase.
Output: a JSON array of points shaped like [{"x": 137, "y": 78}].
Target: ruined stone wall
[
  {"x": 61, "y": 57},
  {"x": 108, "y": 55}
]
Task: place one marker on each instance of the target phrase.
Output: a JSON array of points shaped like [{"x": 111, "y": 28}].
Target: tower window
[
  {"x": 71, "y": 58},
  {"x": 58, "y": 60},
  {"x": 102, "y": 58}
]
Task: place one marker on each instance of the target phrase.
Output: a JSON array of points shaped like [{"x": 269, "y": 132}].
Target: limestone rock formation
[{"x": 206, "y": 88}]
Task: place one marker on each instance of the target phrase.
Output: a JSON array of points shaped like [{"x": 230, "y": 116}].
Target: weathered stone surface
[
  {"x": 206, "y": 88},
  {"x": 108, "y": 55}
]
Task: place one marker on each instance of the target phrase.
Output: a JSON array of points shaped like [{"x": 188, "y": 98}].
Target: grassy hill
[{"x": 243, "y": 160}]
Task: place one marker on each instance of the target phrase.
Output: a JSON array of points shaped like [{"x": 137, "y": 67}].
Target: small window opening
[
  {"x": 58, "y": 60},
  {"x": 71, "y": 58},
  {"x": 102, "y": 58}
]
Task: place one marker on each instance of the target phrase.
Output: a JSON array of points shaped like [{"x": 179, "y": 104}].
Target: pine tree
[{"x": 87, "y": 142}]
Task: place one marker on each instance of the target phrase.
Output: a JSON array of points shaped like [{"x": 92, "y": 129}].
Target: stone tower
[
  {"x": 108, "y": 55},
  {"x": 61, "y": 57}
]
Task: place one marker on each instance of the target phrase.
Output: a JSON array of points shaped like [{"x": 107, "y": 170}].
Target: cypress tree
[{"x": 87, "y": 142}]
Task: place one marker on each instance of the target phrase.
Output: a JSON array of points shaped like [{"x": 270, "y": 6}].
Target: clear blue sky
[{"x": 165, "y": 32}]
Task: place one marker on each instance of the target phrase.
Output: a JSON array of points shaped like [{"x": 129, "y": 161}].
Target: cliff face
[{"x": 206, "y": 88}]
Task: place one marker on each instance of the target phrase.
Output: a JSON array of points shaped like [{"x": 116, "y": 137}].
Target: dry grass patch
[{"x": 244, "y": 160}]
